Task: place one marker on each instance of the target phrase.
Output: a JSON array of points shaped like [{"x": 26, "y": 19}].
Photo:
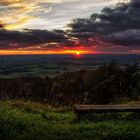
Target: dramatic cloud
[
  {"x": 16, "y": 14},
  {"x": 119, "y": 26},
  {"x": 44, "y": 14},
  {"x": 28, "y": 38}
]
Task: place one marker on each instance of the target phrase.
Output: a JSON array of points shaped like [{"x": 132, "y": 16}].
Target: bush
[{"x": 109, "y": 83}]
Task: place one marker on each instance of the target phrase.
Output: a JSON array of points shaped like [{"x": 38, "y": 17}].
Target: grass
[{"x": 21, "y": 120}]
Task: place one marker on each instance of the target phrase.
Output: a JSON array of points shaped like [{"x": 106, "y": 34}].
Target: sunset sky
[{"x": 69, "y": 26}]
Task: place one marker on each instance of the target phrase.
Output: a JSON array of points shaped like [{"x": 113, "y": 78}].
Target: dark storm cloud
[
  {"x": 119, "y": 25},
  {"x": 32, "y": 37}
]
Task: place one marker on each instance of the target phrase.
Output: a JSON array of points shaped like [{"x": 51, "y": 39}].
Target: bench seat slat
[{"x": 106, "y": 108}]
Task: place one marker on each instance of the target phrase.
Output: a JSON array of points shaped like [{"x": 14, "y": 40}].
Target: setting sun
[{"x": 77, "y": 53}]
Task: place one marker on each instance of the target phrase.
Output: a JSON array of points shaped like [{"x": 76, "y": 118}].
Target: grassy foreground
[{"x": 29, "y": 121}]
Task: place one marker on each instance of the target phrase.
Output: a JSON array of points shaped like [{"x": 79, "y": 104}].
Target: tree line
[{"x": 109, "y": 83}]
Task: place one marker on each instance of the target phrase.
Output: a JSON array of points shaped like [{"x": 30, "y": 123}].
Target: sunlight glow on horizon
[
  {"x": 43, "y": 52},
  {"x": 58, "y": 52}
]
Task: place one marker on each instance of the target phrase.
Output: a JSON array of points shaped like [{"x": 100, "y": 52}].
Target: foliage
[
  {"x": 107, "y": 84},
  {"x": 30, "y": 121}
]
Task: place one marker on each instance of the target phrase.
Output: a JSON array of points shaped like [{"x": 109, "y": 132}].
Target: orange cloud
[
  {"x": 16, "y": 14},
  {"x": 18, "y": 23}
]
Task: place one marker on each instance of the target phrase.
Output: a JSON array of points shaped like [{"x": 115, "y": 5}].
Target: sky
[
  {"x": 47, "y": 14},
  {"x": 69, "y": 26}
]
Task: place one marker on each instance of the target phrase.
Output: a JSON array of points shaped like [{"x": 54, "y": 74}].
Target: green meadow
[{"x": 21, "y": 120}]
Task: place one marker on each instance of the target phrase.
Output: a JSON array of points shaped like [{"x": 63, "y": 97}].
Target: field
[
  {"x": 54, "y": 65},
  {"x": 21, "y": 120}
]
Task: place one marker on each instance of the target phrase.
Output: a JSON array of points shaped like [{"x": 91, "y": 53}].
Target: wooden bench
[{"x": 85, "y": 109}]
